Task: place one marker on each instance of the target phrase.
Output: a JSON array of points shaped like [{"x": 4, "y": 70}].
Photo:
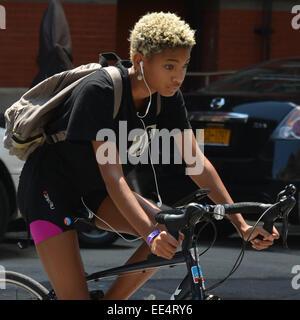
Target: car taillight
[
  {"x": 296, "y": 128},
  {"x": 289, "y": 128}
]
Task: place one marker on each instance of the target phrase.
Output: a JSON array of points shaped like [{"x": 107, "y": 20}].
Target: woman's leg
[
  {"x": 61, "y": 259},
  {"x": 125, "y": 285}
]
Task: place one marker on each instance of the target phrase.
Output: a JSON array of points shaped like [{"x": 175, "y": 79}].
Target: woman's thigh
[
  {"x": 111, "y": 215},
  {"x": 60, "y": 256}
]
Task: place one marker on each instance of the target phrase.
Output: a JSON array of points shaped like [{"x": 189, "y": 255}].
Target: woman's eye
[{"x": 169, "y": 67}]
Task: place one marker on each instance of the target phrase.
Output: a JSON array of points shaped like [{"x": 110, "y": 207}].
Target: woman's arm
[
  {"x": 206, "y": 177},
  {"x": 112, "y": 173},
  {"x": 119, "y": 191}
]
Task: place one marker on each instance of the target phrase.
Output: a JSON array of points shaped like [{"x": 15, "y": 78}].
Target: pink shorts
[{"x": 42, "y": 229}]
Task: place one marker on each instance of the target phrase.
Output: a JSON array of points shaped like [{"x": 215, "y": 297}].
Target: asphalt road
[{"x": 262, "y": 275}]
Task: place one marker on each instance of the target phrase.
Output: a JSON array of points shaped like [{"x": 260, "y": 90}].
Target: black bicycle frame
[{"x": 193, "y": 281}]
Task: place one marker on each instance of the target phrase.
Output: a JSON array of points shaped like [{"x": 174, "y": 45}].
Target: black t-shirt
[{"x": 89, "y": 108}]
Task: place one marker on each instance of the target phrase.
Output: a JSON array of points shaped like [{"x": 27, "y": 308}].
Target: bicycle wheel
[{"x": 16, "y": 286}]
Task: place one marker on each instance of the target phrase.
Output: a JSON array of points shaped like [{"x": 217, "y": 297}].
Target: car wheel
[
  {"x": 4, "y": 210},
  {"x": 97, "y": 237}
]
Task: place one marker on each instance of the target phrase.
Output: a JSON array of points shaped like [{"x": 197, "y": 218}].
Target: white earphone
[
  {"x": 150, "y": 95},
  {"x": 159, "y": 203},
  {"x": 142, "y": 70}
]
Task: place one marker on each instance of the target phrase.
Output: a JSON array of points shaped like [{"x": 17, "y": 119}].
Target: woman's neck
[{"x": 139, "y": 90}]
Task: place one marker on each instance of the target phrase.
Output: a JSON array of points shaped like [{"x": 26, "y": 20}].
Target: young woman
[{"x": 56, "y": 177}]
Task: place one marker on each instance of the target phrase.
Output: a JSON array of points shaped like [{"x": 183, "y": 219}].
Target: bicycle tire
[{"x": 27, "y": 288}]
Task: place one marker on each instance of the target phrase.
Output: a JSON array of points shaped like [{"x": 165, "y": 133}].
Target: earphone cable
[
  {"x": 150, "y": 95},
  {"x": 159, "y": 203},
  {"x": 112, "y": 228}
]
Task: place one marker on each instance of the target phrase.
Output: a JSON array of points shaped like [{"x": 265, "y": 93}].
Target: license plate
[{"x": 216, "y": 136}]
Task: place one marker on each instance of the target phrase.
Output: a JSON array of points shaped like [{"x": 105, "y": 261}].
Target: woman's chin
[{"x": 168, "y": 93}]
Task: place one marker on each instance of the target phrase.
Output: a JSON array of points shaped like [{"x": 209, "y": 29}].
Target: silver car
[{"x": 10, "y": 169}]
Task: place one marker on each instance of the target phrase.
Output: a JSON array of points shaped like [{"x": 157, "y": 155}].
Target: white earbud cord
[
  {"x": 112, "y": 228},
  {"x": 159, "y": 203},
  {"x": 150, "y": 98}
]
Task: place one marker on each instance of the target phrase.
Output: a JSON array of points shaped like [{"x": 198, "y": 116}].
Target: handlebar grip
[
  {"x": 268, "y": 226},
  {"x": 160, "y": 218},
  {"x": 169, "y": 219},
  {"x": 175, "y": 234}
]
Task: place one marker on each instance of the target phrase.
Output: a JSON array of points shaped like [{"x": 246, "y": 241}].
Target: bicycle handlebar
[{"x": 187, "y": 217}]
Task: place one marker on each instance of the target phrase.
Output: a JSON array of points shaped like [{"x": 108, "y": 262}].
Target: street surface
[{"x": 261, "y": 275}]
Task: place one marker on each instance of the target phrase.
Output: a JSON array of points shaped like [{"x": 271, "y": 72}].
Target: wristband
[{"x": 152, "y": 235}]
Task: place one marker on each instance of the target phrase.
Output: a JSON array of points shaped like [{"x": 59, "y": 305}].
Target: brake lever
[
  {"x": 288, "y": 205},
  {"x": 287, "y": 196},
  {"x": 285, "y": 206},
  {"x": 289, "y": 190},
  {"x": 269, "y": 223},
  {"x": 284, "y": 233}
]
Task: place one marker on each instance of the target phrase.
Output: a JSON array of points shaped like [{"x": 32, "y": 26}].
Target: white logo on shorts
[{"x": 47, "y": 198}]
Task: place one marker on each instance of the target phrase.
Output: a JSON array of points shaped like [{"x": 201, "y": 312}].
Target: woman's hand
[
  {"x": 165, "y": 245},
  {"x": 267, "y": 241}
]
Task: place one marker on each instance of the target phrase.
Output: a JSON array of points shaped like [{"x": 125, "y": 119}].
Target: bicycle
[{"x": 184, "y": 218}]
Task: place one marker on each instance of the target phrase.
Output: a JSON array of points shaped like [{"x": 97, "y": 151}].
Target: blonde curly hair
[{"x": 159, "y": 30}]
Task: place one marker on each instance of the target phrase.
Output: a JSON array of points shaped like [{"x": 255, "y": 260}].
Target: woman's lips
[{"x": 174, "y": 88}]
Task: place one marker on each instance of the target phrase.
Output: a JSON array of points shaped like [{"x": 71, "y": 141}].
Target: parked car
[
  {"x": 251, "y": 122},
  {"x": 10, "y": 169}
]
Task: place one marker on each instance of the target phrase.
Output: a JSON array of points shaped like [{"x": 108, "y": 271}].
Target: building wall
[
  {"x": 92, "y": 27},
  {"x": 240, "y": 46},
  {"x": 285, "y": 40},
  {"x": 227, "y": 40}
]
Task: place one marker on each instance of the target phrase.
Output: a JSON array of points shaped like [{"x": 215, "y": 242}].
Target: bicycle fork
[
  {"x": 194, "y": 280},
  {"x": 195, "y": 275},
  {"x": 192, "y": 286}
]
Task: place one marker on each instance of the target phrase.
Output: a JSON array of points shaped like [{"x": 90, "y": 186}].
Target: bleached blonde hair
[{"x": 159, "y": 30}]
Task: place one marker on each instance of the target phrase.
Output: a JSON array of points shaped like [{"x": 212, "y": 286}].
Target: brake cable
[{"x": 241, "y": 254}]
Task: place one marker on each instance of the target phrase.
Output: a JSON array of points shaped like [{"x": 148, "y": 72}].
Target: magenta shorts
[{"x": 41, "y": 230}]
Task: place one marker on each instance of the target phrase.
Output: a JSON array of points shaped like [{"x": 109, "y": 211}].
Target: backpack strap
[
  {"x": 116, "y": 78},
  {"x": 118, "y": 87}
]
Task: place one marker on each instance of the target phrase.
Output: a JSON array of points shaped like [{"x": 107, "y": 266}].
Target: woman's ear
[{"x": 136, "y": 59}]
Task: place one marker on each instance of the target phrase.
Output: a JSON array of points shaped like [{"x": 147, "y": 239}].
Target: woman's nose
[{"x": 179, "y": 77}]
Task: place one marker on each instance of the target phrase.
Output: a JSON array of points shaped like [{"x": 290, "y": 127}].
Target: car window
[{"x": 278, "y": 77}]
